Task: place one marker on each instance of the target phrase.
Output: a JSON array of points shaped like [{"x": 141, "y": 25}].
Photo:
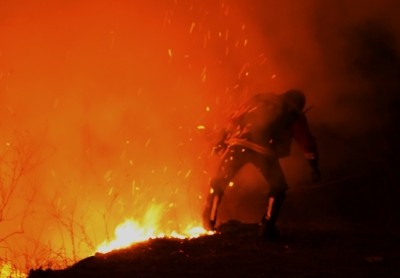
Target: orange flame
[
  {"x": 7, "y": 270},
  {"x": 131, "y": 232}
]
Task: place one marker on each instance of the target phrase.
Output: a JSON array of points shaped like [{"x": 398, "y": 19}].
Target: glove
[{"x": 315, "y": 170}]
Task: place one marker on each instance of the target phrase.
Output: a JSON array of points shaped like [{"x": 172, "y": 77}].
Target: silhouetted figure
[{"x": 260, "y": 132}]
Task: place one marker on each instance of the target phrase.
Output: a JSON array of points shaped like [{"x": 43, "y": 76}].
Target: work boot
[
  {"x": 268, "y": 230},
  {"x": 209, "y": 225}
]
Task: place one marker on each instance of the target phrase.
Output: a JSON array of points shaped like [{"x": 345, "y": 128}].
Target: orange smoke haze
[
  {"x": 106, "y": 100},
  {"x": 101, "y": 102}
]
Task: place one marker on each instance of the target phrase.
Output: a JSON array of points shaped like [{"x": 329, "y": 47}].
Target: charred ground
[{"x": 236, "y": 251}]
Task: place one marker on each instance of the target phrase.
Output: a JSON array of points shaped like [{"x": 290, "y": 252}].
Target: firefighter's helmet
[{"x": 296, "y": 99}]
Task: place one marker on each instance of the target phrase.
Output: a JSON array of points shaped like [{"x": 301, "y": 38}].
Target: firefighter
[{"x": 260, "y": 132}]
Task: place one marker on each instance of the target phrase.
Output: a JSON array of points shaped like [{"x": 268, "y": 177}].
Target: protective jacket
[{"x": 267, "y": 124}]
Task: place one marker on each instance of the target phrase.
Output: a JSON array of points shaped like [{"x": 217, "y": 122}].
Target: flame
[
  {"x": 131, "y": 232},
  {"x": 7, "y": 270}
]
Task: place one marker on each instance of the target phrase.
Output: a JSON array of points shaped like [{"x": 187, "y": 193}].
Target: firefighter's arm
[{"x": 307, "y": 143}]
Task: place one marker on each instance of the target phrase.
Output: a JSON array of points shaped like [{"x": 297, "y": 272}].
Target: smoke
[
  {"x": 108, "y": 102},
  {"x": 108, "y": 97}
]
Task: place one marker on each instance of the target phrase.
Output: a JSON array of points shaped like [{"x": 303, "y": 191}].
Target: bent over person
[{"x": 260, "y": 132}]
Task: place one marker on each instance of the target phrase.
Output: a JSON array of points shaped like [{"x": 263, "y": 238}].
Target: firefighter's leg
[
  {"x": 273, "y": 173},
  {"x": 268, "y": 229},
  {"x": 213, "y": 201},
  {"x": 232, "y": 162}
]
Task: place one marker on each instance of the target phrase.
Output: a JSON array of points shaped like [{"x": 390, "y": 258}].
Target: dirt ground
[{"x": 236, "y": 251}]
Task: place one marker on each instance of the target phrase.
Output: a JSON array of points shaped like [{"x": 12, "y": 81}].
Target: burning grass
[
  {"x": 130, "y": 232},
  {"x": 236, "y": 251}
]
